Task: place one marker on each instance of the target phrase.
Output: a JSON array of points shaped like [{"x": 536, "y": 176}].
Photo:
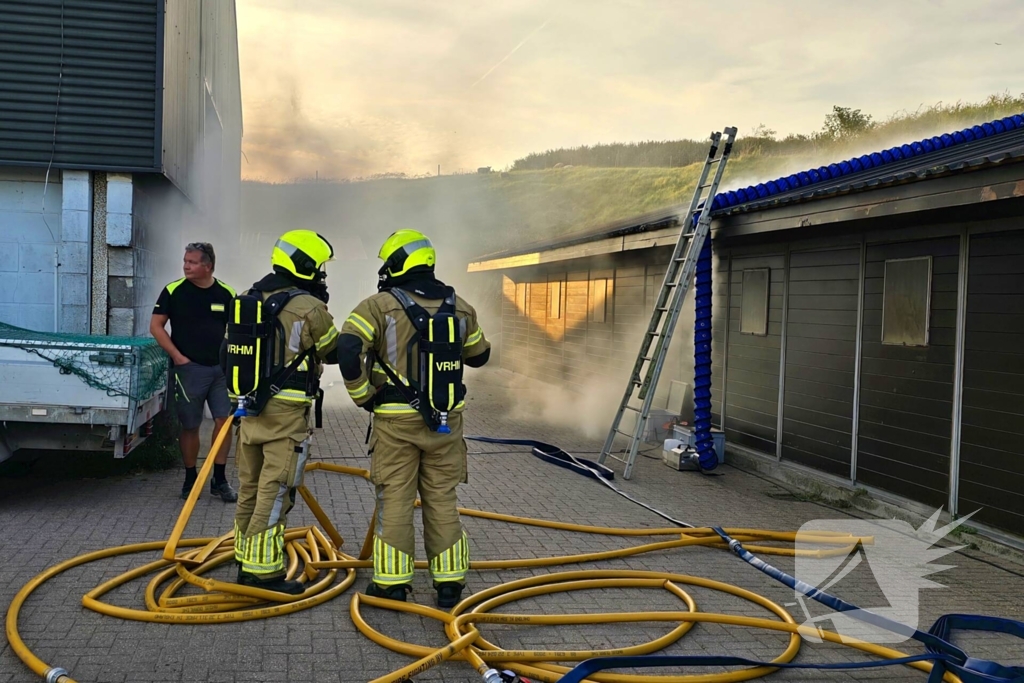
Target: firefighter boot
[
  {"x": 395, "y": 592},
  {"x": 449, "y": 593},
  {"x": 277, "y": 584}
]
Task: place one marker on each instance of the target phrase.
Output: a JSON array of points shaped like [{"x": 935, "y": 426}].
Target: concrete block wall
[
  {"x": 121, "y": 317},
  {"x": 75, "y": 252},
  {"x": 30, "y": 230}
]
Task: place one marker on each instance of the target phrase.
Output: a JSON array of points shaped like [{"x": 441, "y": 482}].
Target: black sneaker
[
  {"x": 449, "y": 593},
  {"x": 186, "y": 489},
  {"x": 396, "y": 592},
  {"x": 278, "y": 584},
  {"x": 224, "y": 490}
]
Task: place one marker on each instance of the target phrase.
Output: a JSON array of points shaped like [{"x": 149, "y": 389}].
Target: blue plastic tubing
[{"x": 705, "y": 446}]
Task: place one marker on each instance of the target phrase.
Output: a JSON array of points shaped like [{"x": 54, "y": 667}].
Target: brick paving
[{"x": 42, "y": 524}]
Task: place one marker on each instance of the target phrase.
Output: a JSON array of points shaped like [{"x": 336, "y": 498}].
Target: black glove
[{"x": 369, "y": 405}]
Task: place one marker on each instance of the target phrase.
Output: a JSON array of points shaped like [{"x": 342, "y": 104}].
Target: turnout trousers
[
  {"x": 271, "y": 456},
  {"x": 406, "y": 458}
]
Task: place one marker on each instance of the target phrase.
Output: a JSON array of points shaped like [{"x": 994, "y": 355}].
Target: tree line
[{"x": 842, "y": 128}]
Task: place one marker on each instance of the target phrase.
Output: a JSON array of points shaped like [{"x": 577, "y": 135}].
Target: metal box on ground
[
  {"x": 679, "y": 456},
  {"x": 685, "y": 434}
]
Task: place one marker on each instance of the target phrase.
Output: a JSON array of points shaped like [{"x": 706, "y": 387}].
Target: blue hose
[
  {"x": 944, "y": 654},
  {"x": 947, "y": 656},
  {"x": 706, "y": 456}
]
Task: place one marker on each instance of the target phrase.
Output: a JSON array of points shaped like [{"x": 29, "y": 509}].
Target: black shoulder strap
[
  {"x": 417, "y": 314},
  {"x": 275, "y": 304}
]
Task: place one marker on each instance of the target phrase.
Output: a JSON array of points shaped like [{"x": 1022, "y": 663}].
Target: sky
[{"x": 347, "y": 89}]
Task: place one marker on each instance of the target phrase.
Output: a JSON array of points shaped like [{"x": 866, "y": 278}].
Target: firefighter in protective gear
[
  {"x": 273, "y": 446},
  {"x": 408, "y": 454}
]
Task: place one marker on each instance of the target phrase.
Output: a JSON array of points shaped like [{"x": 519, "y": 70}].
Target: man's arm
[
  {"x": 157, "y": 328},
  {"x": 159, "y": 332}
]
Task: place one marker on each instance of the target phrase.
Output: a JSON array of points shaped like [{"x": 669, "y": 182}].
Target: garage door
[{"x": 29, "y": 233}]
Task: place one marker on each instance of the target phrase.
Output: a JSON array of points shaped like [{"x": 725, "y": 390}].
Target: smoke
[
  {"x": 899, "y": 129},
  {"x": 587, "y": 410}
]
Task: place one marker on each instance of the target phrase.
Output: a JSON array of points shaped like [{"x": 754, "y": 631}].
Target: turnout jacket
[{"x": 379, "y": 331}]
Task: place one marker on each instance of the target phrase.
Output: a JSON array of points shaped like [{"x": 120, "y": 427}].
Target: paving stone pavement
[{"x": 42, "y": 524}]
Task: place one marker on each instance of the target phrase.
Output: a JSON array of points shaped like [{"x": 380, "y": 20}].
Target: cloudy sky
[{"x": 350, "y": 89}]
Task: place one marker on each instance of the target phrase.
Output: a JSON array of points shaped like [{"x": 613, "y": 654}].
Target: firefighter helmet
[
  {"x": 405, "y": 250},
  {"x": 302, "y": 253}
]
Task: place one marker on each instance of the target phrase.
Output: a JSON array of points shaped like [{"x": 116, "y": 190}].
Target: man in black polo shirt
[{"x": 196, "y": 307}]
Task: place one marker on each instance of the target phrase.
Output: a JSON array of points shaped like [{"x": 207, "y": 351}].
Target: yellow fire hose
[{"x": 315, "y": 558}]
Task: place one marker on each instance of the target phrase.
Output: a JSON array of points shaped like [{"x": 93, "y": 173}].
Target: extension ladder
[{"x": 677, "y": 280}]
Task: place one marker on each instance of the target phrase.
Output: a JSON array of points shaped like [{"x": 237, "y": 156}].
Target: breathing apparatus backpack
[
  {"x": 437, "y": 388},
  {"x": 254, "y": 363}
]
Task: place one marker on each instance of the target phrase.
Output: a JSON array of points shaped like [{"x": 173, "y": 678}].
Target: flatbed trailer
[{"x": 75, "y": 395}]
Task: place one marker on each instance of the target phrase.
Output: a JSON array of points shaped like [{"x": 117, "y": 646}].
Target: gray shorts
[{"x": 195, "y": 385}]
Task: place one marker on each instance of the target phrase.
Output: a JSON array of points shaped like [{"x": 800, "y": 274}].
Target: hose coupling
[
  {"x": 55, "y": 673},
  {"x": 492, "y": 676},
  {"x": 508, "y": 676}
]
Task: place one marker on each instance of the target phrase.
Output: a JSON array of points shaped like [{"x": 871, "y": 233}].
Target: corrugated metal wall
[
  {"x": 752, "y": 391},
  {"x": 201, "y": 94},
  {"x": 906, "y": 400},
  {"x": 719, "y": 336},
  {"x": 906, "y": 392},
  {"x": 991, "y": 455},
  {"x": 103, "y": 61},
  {"x": 821, "y": 348}
]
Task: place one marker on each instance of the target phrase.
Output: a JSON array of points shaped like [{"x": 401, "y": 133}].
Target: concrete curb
[{"x": 839, "y": 493}]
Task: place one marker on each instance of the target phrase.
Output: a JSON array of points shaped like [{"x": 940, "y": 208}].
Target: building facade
[
  {"x": 120, "y": 138},
  {"x": 868, "y": 320}
]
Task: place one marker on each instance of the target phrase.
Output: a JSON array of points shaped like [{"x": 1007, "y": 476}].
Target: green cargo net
[{"x": 135, "y": 367}]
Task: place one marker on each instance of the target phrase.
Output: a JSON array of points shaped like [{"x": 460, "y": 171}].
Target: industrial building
[
  {"x": 120, "y": 136},
  {"x": 868, "y": 319}
]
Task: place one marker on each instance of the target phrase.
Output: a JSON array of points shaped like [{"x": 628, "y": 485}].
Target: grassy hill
[{"x": 471, "y": 215}]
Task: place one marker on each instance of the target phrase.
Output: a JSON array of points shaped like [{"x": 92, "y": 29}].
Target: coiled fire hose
[{"x": 315, "y": 558}]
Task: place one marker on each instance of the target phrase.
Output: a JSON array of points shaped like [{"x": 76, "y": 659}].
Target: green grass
[{"x": 476, "y": 214}]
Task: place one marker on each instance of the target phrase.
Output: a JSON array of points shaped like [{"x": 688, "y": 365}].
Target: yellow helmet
[
  {"x": 405, "y": 250},
  {"x": 302, "y": 253}
]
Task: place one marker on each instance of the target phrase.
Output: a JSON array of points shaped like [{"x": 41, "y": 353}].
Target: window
[
  {"x": 597, "y": 301},
  {"x": 754, "y": 302},
  {"x": 906, "y": 301},
  {"x": 554, "y": 300},
  {"x": 521, "y": 298}
]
